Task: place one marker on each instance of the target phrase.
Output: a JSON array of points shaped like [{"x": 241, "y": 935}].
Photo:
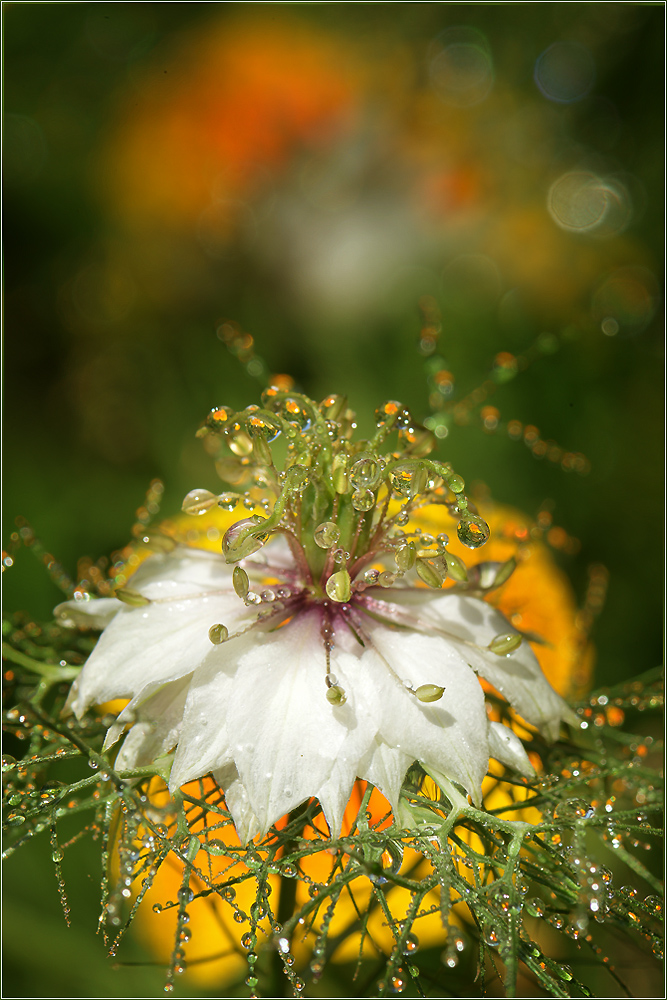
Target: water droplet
[
  {"x": 333, "y": 406},
  {"x": 473, "y": 531},
  {"x": 243, "y": 538},
  {"x": 15, "y": 819},
  {"x": 391, "y": 410},
  {"x": 185, "y": 895},
  {"x": 228, "y": 501},
  {"x": 283, "y": 942},
  {"x": 294, "y": 413},
  {"x": 229, "y": 894},
  {"x": 247, "y": 941},
  {"x": 654, "y": 905},
  {"x": 218, "y": 634},
  {"x": 411, "y": 944},
  {"x": 218, "y": 418},
  {"x": 503, "y": 645},
  {"x": 198, "y": 502},
  {"x": 327, "y": 534},
  {"x": 573, "y": 809},
  {"x": 363, "y": 500},
  {"x": 492, "y": 936},
  {"x": 429, "y": 692},
  {"x": 8, "y": 762},
  {"x": 365, "y": 473},
  {"x": 289, "y": 870},
  {"x": 338, "y": 586},
  {"x": 398, "y": 981},
  {"x": 535, "y": 907}
]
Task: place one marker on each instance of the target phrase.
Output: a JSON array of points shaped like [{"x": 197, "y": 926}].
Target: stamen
[
  {"x": 218, "y": 634},
  {"x": 338, "y": 586},
  {"x": 429, "y": 692},
  {"x": 336, "y": 695},
  {"x": 241, "y": 582},
  {"x": 132, "y": 597},
  {"x": 503, "y": 645}
]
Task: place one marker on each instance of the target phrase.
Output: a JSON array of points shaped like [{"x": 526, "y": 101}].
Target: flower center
[{"x": 342, "y": 505}]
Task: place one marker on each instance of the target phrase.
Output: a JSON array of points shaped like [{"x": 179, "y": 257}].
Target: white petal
[
  {"x": 204, "y": 744},
  {"x": 505, "y": 746},
  {"x": 236, "y": 799},
  {"x": 293, "y": 740},
  {"x": 470, "y": 624},
  {"x": 183, "y": 572},
  {"x": 153, "y": 643},
  {"x": 288, "y": 741},
  {"x": 385, "y": 768},
  {"x": 334, "y": 794},
  {"x": 450, "y": 734},
  {"x": 158, "y": 715},
  {"x": 96, "y": 613}
]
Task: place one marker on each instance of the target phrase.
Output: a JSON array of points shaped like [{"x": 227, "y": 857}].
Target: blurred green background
[{"x": 309, "y": 172}]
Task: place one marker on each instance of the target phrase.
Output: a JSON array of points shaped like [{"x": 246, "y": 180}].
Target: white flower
[
  {"x": 290, "y": 678},
  {"x": 254, "y": 709}
]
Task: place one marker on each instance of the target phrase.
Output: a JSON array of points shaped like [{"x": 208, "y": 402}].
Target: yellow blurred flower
[{"x": 537, "y": 599}]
